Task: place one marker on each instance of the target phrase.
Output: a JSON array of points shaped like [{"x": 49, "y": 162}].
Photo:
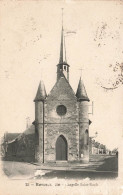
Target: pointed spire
[
  {"x": 81, "y": 92},
  {"x": 62, "y": 46},
  {"x": 41, "y": 92},
  {"x": 62, "y": 66}
]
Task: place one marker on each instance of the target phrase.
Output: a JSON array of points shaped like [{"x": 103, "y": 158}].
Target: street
[{"x": 99, "y": 167}]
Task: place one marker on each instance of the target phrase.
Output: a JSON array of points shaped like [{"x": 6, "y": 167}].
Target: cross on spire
[
  {"x": 62, "y": 16},
  {"x": 27, "y": 122},
  {"x": 81, "y": 69}
]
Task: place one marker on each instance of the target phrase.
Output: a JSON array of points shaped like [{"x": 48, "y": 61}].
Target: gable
[{"x": 62, "y": 91}]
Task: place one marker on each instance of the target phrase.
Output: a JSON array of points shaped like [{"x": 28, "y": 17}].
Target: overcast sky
[{"x": 30, "y": 47}]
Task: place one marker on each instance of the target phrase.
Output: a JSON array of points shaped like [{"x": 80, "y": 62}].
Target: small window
[
  {"x": 86, "y": 131},
  {"x": 61, "y": 110},
  {"x": 64, "y": 67}
]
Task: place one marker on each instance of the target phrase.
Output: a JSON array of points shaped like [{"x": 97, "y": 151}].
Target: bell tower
[{"x": 62, "y": 67}]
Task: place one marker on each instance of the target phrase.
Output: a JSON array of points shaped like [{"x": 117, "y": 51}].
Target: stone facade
[
  {"x": 73, "y": 125},
  {"x": 61, "y": 119}
]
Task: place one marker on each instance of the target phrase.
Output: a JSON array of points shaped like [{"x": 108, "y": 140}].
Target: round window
[{"x": 61, "y": 110}]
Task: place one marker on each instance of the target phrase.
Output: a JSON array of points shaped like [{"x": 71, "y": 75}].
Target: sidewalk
[
  {"x": 105, "y": 164},
  {"x": 84, "y": 167}
]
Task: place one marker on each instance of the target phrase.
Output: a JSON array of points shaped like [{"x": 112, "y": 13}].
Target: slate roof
[
  {"x": 11, "y": 136},
  {"x": 41, "y": 92},
  {"x": 62, "y": 86},
  {"x": 81, "y": 92}
]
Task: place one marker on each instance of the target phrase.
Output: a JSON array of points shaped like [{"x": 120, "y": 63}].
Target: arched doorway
[{"x": 61, "y": 148}]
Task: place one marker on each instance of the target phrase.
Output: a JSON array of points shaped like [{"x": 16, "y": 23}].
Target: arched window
[
  {"x": 86, "y": 138},
  {"x": 64, "y": 67},
  {"x": 86, "y": 131}
]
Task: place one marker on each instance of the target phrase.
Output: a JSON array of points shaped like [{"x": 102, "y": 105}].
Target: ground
[{"x": 99, "y": 167}]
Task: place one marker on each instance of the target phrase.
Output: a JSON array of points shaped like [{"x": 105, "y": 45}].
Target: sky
[{"x": 29, "y": 51}]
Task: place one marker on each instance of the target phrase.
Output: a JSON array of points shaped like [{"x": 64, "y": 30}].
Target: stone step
[{"x": 61, "y": 162}]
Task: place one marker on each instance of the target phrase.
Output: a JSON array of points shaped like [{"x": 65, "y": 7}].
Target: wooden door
[{"x": 61, "y": 148}]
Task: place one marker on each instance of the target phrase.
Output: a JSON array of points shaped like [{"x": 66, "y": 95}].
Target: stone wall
[
  {"x": 72, "y": 125},
  {"x": 39, "y": 131},
  {"x": 83, "y": 131},
  {"x": 66, "y": 125},
  {"x": 70, "y": 132}
]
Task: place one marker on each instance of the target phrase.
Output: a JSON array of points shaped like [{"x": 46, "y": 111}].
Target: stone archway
[{"x": 61, "y": 148}]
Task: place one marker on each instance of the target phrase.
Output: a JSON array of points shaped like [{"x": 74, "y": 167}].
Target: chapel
[{"x": 61, "y": 118}]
